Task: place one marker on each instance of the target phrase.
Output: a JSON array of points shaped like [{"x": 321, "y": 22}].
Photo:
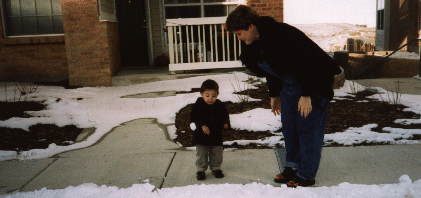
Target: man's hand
[
  {"x": 205, "y": 130},
  {"x": 275, "y": 104},
  {"x": 304, "y": 106}
]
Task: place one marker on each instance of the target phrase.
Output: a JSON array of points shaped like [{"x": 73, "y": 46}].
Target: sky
[{"x": 362, "y": 12}]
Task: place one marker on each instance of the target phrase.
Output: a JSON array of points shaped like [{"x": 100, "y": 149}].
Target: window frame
[
  {"x": 419, "y": 16},
  {"x": 380, "y": 12},
  {"x": 201, "y": 4},
  {"x": 4, "y": 24},
  {"x": 380, "y": 20}
]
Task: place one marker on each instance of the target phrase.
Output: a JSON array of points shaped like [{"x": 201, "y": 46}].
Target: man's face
[
  {"x": 248, "y": 36},
  {"x": 209, "y": 96}
]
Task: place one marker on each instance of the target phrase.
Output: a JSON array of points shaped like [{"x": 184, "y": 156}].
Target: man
[{"x": 299, "y": 69}]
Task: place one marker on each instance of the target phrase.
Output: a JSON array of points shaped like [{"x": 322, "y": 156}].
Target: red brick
[{"x": 262, "y": 5}]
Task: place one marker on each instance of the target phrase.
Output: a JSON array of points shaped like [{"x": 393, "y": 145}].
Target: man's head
[
  {"x": 241, "y": 22},
  {"x": 209, "y": 91}
]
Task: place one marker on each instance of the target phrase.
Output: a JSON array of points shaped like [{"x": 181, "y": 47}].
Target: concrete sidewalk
[{"x": 140, "y": 151}]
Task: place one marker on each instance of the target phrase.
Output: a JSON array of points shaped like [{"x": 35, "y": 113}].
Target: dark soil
[
  {"x": 342, "y": 115},
  {"x": 17, "y": 109},
  {"x": 39, "y": 136}
]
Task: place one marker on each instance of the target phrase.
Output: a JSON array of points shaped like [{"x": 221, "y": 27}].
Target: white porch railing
[{"x": 201, "y": 43}]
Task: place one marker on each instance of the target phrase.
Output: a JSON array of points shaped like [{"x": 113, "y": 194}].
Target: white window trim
[
  {"x": 380, "y": 4},
  {"x": 105, "y": 16},
  {"x": 32, "y": 35},
  {"x": 202, "y": 11}
]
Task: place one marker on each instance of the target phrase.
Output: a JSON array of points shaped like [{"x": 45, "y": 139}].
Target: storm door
[{"x": 132, "y": 33}]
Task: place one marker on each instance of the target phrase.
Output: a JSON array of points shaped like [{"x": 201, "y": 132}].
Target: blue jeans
[{"x": 303, "y": 136}]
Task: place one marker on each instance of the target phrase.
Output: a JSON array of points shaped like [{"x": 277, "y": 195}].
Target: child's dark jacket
[{"x": 213, "y": 116}]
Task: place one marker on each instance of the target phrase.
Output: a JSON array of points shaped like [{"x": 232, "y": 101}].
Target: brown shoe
[
  {"x": 218, "y": 173},
  {"x": 287, "y": 175},
  {"x": 298, "y": 181}
]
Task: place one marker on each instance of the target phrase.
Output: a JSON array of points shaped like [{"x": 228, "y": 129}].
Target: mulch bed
[
  {"x": 342, "y": 115},
  {"x": 39, "y": 136}
]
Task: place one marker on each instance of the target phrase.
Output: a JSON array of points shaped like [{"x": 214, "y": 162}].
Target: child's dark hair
[
  {"x": 241, "y": 18},
  {"x": 209, "y": 85}
]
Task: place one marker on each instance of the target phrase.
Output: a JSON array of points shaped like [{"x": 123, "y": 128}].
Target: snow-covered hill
[{"x": 333, "y": 36}]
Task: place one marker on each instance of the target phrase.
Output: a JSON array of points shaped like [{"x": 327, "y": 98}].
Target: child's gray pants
[{"x": 208, "y": 156}]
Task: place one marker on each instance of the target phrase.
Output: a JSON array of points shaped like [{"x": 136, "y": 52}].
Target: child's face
[{"x": 209, "y": 96}]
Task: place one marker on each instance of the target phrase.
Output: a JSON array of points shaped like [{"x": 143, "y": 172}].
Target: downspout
[{"x": 149, "y": 32}]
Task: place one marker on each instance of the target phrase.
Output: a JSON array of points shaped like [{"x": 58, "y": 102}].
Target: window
[
  {"x": 32, "y": 17},
  {"x": 380, "y": 14},
  {"x": 174, "y": 9}
]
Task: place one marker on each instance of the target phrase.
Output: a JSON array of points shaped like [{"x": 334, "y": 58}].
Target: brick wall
[
  {"x": 92, "y": 46},
  {"x": 392, "y": 68},
  {"x": 32, "y": 58},
  {"x": 88, "y": 53},
  {"x": 273, "y": 8},
  {"x": 355, "y": 64}
]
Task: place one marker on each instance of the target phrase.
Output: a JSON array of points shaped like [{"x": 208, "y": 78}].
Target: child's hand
[
  {"x": 205, "y": 130},
  {"x": 225, "y": 126}
]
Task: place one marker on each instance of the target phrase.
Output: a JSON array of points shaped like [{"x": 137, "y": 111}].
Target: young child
[{"x": 210, "y": 117}]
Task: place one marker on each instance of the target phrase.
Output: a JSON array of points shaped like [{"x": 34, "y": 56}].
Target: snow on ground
[
  {"x": 256, "y": 120},
  {"x": 333, "y": 36},
  {"x": 405, "y": 188},
  {"x": 104, "y": 108}
]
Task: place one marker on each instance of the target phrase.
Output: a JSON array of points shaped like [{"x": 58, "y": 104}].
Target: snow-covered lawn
[
  {"x": 105, "y": 108},
  {"x": 405, "y": 188},
  {"x": 333, "y": 36}
]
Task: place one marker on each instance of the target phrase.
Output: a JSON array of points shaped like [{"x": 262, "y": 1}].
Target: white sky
[{"x": 362, "y": 12}]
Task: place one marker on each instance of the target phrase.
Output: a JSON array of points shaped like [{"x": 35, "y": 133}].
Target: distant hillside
[{"x": 333, "y": 36}]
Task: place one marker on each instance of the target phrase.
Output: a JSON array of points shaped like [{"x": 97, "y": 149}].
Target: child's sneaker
[
  {"x": 218, "y": 173},
  {"x": 200, "y": 175}
]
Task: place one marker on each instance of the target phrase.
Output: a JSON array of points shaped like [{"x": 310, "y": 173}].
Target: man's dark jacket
[
  {"x": 289, "y": 51},
  {"x": 213, "y": 116}
]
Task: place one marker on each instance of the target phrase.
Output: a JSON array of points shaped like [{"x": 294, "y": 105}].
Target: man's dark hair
[
  {"x": 241, "y": 18},
  {"x": 209, "y": 85}
]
